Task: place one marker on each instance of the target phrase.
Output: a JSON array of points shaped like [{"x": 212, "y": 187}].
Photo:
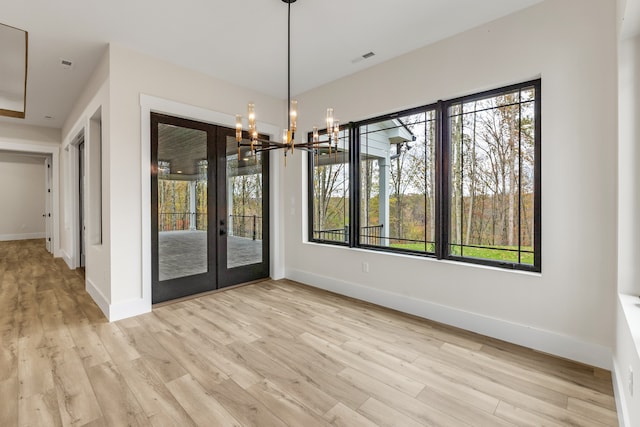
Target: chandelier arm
[{"x": 257, "y": 144}]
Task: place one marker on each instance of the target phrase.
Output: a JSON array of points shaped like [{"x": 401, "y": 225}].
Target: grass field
[{"x": 501, "y": 253}]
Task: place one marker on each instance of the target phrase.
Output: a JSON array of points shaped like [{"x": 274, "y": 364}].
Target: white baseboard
[
  {"x": 98, "y": 297},
  {"x": 618, "y": 378},
  {"x": 537, "y": 339},
  {"x": 22, "y": 236},
  {"x": 67, "y": 259},
  {"x": 118, "y": 311},
  {"x": 127, "y": 309}
]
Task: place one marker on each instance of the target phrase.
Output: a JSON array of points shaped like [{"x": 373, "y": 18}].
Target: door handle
[{"x": 223, "y": 231}]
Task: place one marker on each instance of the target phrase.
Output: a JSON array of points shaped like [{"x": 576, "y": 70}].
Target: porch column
[{"x": 383, "y": 198}]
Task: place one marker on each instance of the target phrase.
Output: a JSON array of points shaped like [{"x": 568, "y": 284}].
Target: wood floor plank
[
  {"x": 385, "y": 415},
  {"x": 9, "y": 393},
  {"x": 35, "y": 371},
  {"x": 204, "y": 409},
  {"x": 88, "y": 344},
  {"x": 269, "y": 354},
  {"x": 285, "y": 406},
  {"x": 591, "y": 411},
  {"x": 218, "y": 356},
  {"x": 8, "y": 353},
  {"x": 192, "y": 360},
  {"x": 460, "y": 409},
  {"x": 242, "y": 405},
  {"x": 510, "y": 379},
  {"x": 116, "y": 343},
  {"x": 317, "y": 368},
  {"x": 156, "y": 356},
  {"x": 154, "y": 397},
  {"x": 541, "y": 378},
  {"x": 76, "y": 400},
  {"x": 395, "y": 379},
  {"x": 343, "y": 416},
  {"x": 413, "y": 408},
  {"x": 40, "y": 409},
  {"x": 284, "y": 377},
  {"x": 117, "y": 402},
  {"x": 517, "y": 399},
  {"x": 521, "y": 417}
]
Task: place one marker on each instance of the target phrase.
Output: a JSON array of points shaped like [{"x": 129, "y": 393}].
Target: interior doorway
[
  {"x": 48, "y": 204},
  {"x": 209, "y": 209},
  {"x": 81, "y": 203}
]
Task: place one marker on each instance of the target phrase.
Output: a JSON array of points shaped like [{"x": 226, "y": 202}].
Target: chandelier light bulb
[
  {"x": 238, "y": 128},
  {"x": 294, "y": 115}
]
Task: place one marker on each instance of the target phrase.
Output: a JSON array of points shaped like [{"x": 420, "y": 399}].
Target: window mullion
[
  {"x": 354, "y": 185},
  {"x": 442, "y": 191}
]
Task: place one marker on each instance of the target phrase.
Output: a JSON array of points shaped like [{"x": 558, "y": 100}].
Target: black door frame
[{"x": 218, "y": 275}]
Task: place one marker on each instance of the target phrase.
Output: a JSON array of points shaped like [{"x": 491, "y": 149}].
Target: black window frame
[{"x": 442, "y": 168}]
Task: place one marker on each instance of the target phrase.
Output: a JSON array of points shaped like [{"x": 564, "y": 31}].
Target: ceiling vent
[
  {"x": 66, "y": 63},
  {"x": 361, "y": 57}
]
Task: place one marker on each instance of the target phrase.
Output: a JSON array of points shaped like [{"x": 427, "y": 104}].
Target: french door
[{"x": 209, "y": 209}]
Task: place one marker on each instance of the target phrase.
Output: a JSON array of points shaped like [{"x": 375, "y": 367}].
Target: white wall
[
  {"x": 22, "y": 197},
  {"x": 628, "y": 171},
  {"x": 133, "y": 75},
  {"x": 94, "y": 97},
  {"x": 567, "y": 310},
  {"x": 29, "y": 135},
  {"x": 627, "y": 344}
]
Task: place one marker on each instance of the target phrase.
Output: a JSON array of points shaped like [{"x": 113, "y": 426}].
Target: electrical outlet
[
  {"x": 631, "y": 381},
  {"x": 365, "y": 267}
]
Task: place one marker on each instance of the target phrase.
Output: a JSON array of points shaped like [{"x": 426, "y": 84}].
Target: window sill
[{"x": 631, "y": 308}]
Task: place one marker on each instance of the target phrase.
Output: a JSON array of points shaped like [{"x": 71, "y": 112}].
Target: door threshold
[{"x": 202, "y": 294}]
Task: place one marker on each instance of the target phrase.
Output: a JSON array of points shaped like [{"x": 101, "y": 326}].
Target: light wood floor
[{"x": 267, "y": 354}]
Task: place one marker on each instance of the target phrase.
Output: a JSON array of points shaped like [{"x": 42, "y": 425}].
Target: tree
[{"x": 330, "y": 189}]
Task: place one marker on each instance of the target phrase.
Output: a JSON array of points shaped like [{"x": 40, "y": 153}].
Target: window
[
  {"x": 397, "y": 182},
  {"x": 330, "y": 190},
  {"x": 492, "y": 176},
  {"x": 456, "y": 180}
]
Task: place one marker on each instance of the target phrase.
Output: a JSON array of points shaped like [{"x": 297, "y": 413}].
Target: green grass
[{"x": 501, "y": 253}]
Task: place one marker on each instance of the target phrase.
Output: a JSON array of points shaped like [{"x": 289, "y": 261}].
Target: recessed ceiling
[{"x": 240, "y": 41}]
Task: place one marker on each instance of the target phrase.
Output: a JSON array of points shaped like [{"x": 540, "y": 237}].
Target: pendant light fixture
[{"x": 288, "y": 143}]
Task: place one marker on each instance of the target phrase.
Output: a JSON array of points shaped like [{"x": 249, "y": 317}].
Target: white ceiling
[{"x": 240, "y": 41}]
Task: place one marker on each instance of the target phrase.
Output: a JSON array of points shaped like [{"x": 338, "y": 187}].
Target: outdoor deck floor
[{"x": 184, "y": 253}]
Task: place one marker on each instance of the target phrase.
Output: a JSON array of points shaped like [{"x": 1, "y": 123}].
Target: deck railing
[
  {"x": 248, "y": 226},
  {"x": 369, "y": 235},
  {"x": 174, "y": 221}
]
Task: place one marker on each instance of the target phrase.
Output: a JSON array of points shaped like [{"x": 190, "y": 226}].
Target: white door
[{"x": 48, "y": 219}]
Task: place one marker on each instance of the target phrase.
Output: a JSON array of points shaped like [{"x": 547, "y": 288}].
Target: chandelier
[{"x": 288, "y": 143}]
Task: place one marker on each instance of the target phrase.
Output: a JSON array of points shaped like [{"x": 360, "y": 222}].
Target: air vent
[
  {"x": 66, "y": 63},
  {"x": 361, "y": 57}
]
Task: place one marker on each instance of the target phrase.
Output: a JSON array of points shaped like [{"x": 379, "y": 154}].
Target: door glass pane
[
  {"x": 182, "y": 201},
  {"x": 244, "y": 206}
]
